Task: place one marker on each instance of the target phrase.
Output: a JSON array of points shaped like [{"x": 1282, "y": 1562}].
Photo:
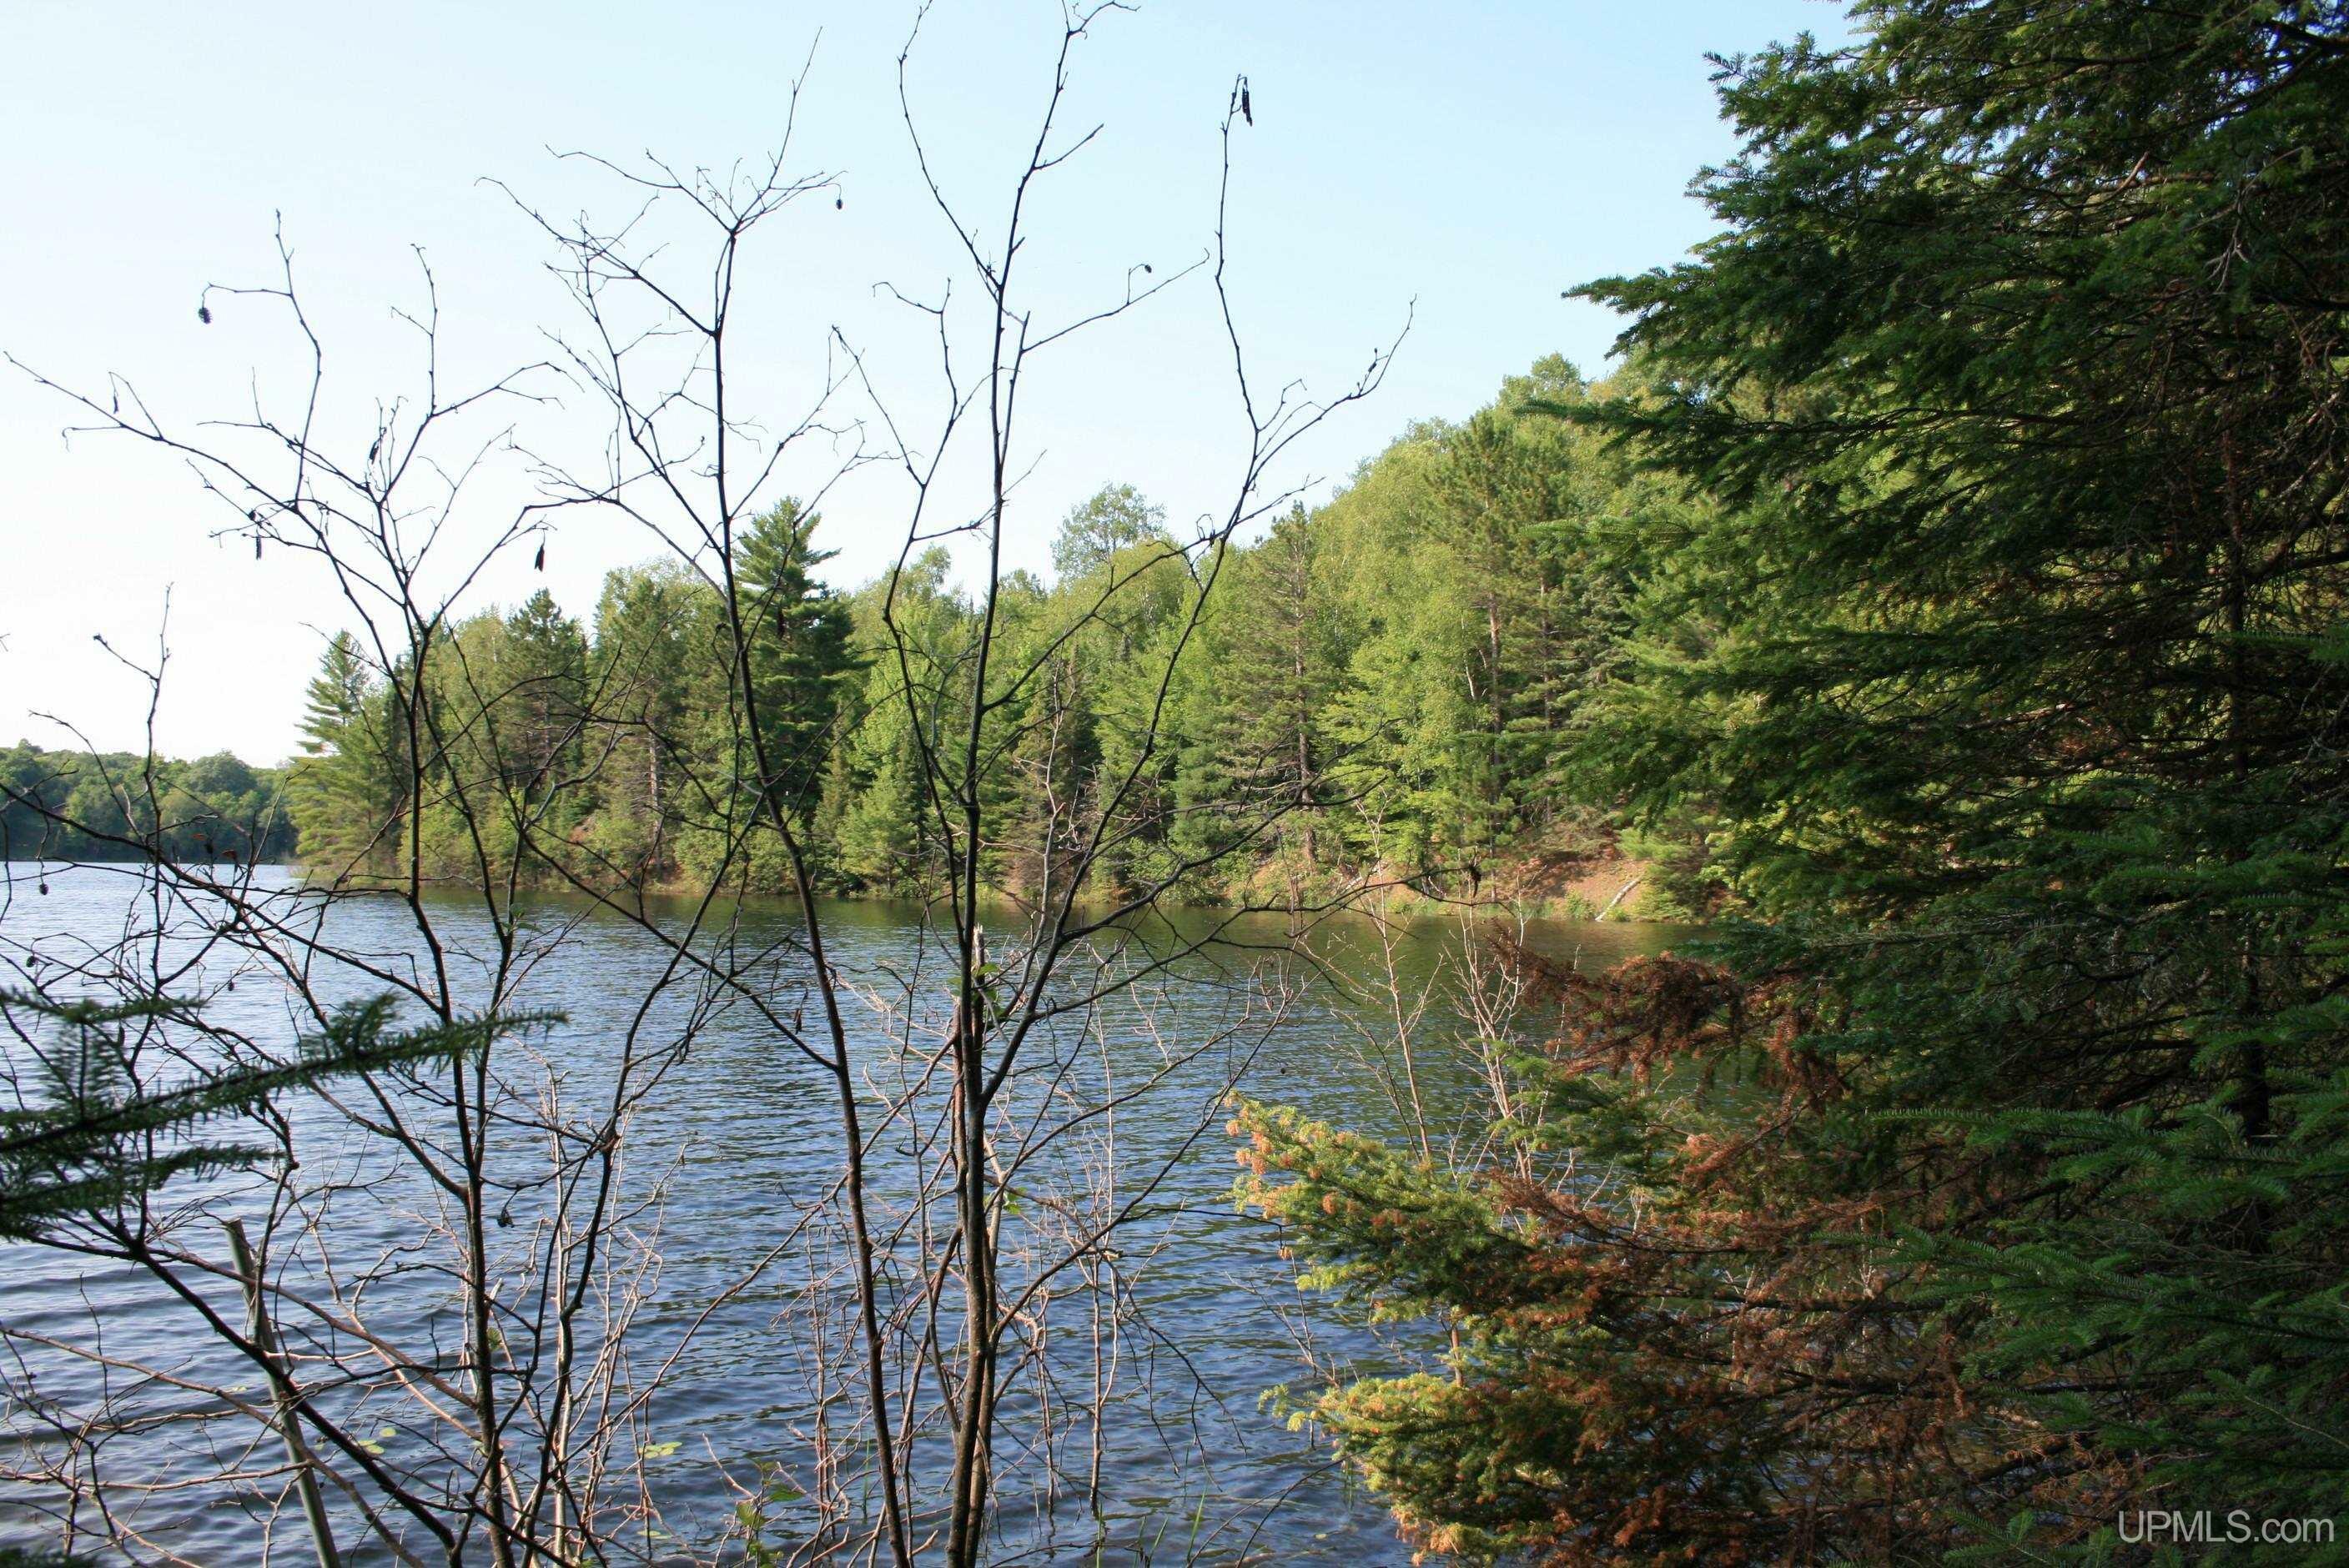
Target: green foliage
[
  {"x": 912, "y": 703},
  {"x": 802, "y": 654},
  {"x": 344, "y": 791},
  {"x": 659, "y": 631},
  {"x": 1376, "y": 688},
  {"x": 1989, "y": 640},
  {"x": 88, "y": 805},
  {"x": 1115, "y": 519},
  {"x": 20, "y": 1557},
  {"x": 87, "y": 1135}
]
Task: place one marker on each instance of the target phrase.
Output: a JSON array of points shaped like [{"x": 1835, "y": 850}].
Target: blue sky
[{"x": 1465, "y": 163}]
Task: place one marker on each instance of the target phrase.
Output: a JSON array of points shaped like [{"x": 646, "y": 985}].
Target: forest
[
  {"x": 1400, "y": 664},
  {"x": 100, "y": 806},
  {"x": 1403, "y": 665},
  {"x": 1944, "y": 600}
]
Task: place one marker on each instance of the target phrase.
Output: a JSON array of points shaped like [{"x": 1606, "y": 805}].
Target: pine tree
[
  {"x": 539, "y": 682},
  {"x": 1262, "y": 680},
  {"x": 889, "y": 835},
  {"x": 1123, "y": 597},
  {"x": 344, "y": 792},
  {"x": 86, "y": 1135},
  {"x": 1499, "y": 488},
  {"x": 2010, "y": 408},
  {"x": 802, "y": 651},
  {"x": 1395, "y": 718},
  {"x": 654, "y": 673}
]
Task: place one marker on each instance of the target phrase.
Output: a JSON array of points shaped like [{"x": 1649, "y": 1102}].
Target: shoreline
[{"x": 1607, "y": 892}]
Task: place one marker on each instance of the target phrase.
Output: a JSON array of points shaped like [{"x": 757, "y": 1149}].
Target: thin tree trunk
[{"x": 281, "y": 1398}]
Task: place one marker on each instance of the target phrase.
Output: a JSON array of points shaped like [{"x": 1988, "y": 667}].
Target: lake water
[{"x": 739, "y": 1136}]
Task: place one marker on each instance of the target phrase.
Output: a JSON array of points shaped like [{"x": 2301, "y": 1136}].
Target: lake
[{"x": 734, "y": 1144}]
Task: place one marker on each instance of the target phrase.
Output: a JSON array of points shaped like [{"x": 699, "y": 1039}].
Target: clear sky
[{"x": 1476, "y": 159}]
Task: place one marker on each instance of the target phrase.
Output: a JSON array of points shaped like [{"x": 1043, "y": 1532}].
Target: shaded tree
[{"x": 2002, "y": 633}]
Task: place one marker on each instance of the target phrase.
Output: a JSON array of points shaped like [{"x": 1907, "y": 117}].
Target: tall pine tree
[{"x": 801, "y": 653}]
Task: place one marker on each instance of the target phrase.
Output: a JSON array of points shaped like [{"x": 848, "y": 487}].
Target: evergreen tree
[
  {"x": 1499, "y": 491},
  {"x": 802, "y": 651},
  {"x": 654, "y": 679},
  {"x": 2009, "y": 403},
  {"x": 344, "y": 791},
  {"x": 1395, "y": 718},
  {"x": 85, "y": 1134},
  {"x": 889, "y": 834},
  {"x": 1123, "y": 598},
  {"x": 1390, "y": 673},
  {"x": 1267, "y": 670},
  {"x": 540, "y": 680}
]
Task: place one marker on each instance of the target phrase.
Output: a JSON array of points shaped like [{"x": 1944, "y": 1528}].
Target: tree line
[
  {"x": 1390, "y": 673},
  {"x": 121, "y": 806}
]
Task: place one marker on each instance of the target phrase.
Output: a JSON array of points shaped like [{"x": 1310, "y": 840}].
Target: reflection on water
[{"x": 743, "y": 1129}]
